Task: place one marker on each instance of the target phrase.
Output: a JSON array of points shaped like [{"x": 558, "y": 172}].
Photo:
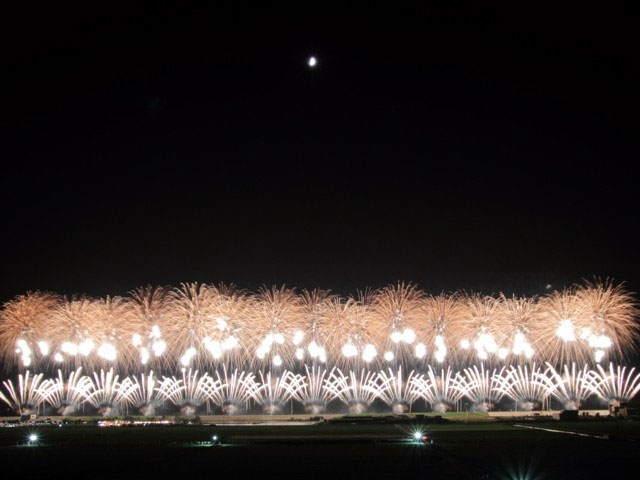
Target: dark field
[{"x": 465, "y": 450}]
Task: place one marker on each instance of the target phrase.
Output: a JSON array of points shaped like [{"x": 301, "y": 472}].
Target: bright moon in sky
[{"x": 312, "y": 61}]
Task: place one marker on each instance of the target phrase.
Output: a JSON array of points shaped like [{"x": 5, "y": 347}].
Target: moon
[{"x": 312, "y": 62}]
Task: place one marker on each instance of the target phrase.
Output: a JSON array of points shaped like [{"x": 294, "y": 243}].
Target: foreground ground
[{"x": 461, "y": 450}]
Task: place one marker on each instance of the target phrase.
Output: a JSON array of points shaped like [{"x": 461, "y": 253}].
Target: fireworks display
[{"x": 397, "y": 345}]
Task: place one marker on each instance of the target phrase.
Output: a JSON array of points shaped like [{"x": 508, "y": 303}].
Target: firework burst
[
  {"x": 143, "y": 396},
  {"x": 205, "y": 326},
  {"x": 188, "y": 392}
]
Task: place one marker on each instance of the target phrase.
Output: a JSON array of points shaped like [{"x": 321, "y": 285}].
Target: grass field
[{"x": 461, "y": 450}]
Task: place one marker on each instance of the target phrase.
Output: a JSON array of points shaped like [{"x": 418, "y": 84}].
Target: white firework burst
[
  {"x": 441, "y": 392},
  {"x": 570, "y": 387},
  {"x": 479, "y": 386},
  {"x": 615, "y": 385},
  {"x": 523, "y": 386},
  {"x": 28, "y": 396},
  {"x": 273, "y": 393},
  {"x": 144, "y": 396},
  {"x": 357, "y": 392},
  {"x": 313, "y": 394},
  {"x": 67, "y": 396},
  {"x": 189, "y": 392},
  {"x": 106, "y": 393},
  {"x": 397, "y": 392},
  {"x": 234, "y": 391}
]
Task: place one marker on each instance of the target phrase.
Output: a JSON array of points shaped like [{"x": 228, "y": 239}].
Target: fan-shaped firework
[
  {"x": 396, "y": 391},
  {"x": 188, "y": 392},
  {"x": 313, "y": 394},
  {"x": 527, "y": 385},
  {"x": 616, "y": 384},
  {"x": 522, "y": 384},
  {"x": 67, "y": 396},
  {"x": 274, "y": 392},
  {"x": 144, "y": 396},
  {"x": 106, "y": 393},
  {"x": 27, "y": 397},
  {"x": 442, "y": 391},
  {"x": 480, "y": 386},
  {"x": 571, "y": 387},
  {"x": 234, "y": 390},
  {"x": 357, "y": 392}
]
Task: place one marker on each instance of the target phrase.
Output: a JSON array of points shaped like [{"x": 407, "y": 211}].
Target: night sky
[{"x": 475, "y": 149}]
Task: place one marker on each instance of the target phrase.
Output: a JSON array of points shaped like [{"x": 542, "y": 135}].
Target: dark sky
[{"x": 474, "y": 149}]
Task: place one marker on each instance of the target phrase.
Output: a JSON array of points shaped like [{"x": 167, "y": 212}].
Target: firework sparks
[
  {"x": 188, "y": 392},
  {"x": 143, "y": 395}
]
